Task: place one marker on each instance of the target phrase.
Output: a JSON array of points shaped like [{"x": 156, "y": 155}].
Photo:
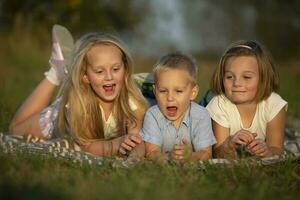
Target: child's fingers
[
  {"x": 243, "y": 137},
  {"x": 184, "y": 141},
  {"x": 177, "y": 156},
  {"x": 254, "y": 135},
  {"x": 248, "y": 136},
  {"x": 178, "y": 147},
  {"x": 253, "y": 143},
  {"x": 122, "y": 151},
  {"x": 259, "y": 148},
  {"x": 135, "y": 138},
  {"x": 126, "y": 146},
  {"x": 241, "y": 140},
  {"x": 257, "y": 151},
  {"x": 129, "y": 142},
  {"x": 178, "y": 152}
]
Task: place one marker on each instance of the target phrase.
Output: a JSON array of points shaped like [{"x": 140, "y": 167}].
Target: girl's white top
[{"x": 226, "y": 114}]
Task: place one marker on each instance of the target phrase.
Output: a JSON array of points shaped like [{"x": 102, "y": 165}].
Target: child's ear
[
  {"x": 85, "y": 79},
  {"x": 195, "y": 91}
]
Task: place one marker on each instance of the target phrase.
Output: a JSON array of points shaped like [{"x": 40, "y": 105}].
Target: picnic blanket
[{"x": 63, "y": 149}]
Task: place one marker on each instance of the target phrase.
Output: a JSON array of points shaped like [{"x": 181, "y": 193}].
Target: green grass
[
  {"x": 31, "y": 177},
  {"x": 35, "y": 177}
]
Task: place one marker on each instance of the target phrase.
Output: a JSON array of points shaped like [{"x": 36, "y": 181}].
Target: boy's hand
[
  {"x": 129, "y": 143},
  {"x": 242, "y": 137},
  {"x": 181, "y": 151}
]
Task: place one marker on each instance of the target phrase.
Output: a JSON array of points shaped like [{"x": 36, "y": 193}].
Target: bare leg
[{"x": 26, "y": 119}]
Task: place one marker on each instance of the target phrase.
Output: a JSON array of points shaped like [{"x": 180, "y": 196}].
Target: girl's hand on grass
[
  {"x": 242, "y": 137},
  {"x": 181, "y": 151},
  {"x": 129, "y": 143},
  {"x": 258, "y": 148}
]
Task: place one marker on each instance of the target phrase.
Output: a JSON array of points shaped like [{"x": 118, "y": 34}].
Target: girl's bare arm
[
  {"x": 133, "y": 143},
  {"x": 139, "y": 114},
  {"x": 106, "y": 148},
  {"x": 275, "y": 133},
  {"x": 223, "y": 148}
]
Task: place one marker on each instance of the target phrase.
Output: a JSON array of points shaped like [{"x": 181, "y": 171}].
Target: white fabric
[
  {"x": 51, "y": 75},
  {"x": 110, "y": 124},
  {"x": 227, "y": 115},
  {"x": 56, "y": 73}
]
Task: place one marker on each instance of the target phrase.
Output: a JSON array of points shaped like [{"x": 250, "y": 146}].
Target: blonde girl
[
  {"x": 247, "y": 112},
  {"x": 99, "y": 107}
]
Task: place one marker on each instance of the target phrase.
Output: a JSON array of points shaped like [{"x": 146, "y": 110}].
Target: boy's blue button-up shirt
[{"x": 195, "y": 128}]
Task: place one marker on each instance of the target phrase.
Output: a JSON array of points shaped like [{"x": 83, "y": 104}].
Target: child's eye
[
  {"x": 162, "y": 91},
  {"x": 247, "y": 77},
  {"x": 99, "y": 71},
  {"x": 228, "y": 77},
  {"x": 179, "y": 91},
  {"x": 116, "y": 69}
]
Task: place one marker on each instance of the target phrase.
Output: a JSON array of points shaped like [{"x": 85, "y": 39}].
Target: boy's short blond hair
[{"x": 177, "y": 60}]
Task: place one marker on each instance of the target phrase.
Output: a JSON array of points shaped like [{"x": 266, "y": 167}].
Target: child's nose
[
  {"x": 170, "y": 96},
  {"x": 108, "y": 75},
  {"x": 237, "y": 82}
]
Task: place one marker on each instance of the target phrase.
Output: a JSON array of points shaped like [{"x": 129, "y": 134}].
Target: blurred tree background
[
  {"x": 153, "y": 27},
  {"x": 37, "y": 16}
]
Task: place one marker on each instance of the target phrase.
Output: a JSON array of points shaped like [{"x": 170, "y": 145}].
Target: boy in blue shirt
[{"x": 177, "y": 128}]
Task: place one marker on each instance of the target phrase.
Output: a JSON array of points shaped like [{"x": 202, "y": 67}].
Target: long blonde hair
[
  {"x": 268, "y": 76},
  {"x": 80, "y": 112}
]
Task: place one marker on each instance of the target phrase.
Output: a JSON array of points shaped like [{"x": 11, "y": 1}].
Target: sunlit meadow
[{"x": 22, "y": 63}]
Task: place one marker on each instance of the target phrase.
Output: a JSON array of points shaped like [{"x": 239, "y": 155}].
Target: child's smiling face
[
  {"x": 174, "y": 90},
  {"x": 241, "y": 79},
  {"x": 105, "y": 71}
]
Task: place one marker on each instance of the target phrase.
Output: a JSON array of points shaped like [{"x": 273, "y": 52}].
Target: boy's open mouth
[{"x": 171, "y": 111}]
